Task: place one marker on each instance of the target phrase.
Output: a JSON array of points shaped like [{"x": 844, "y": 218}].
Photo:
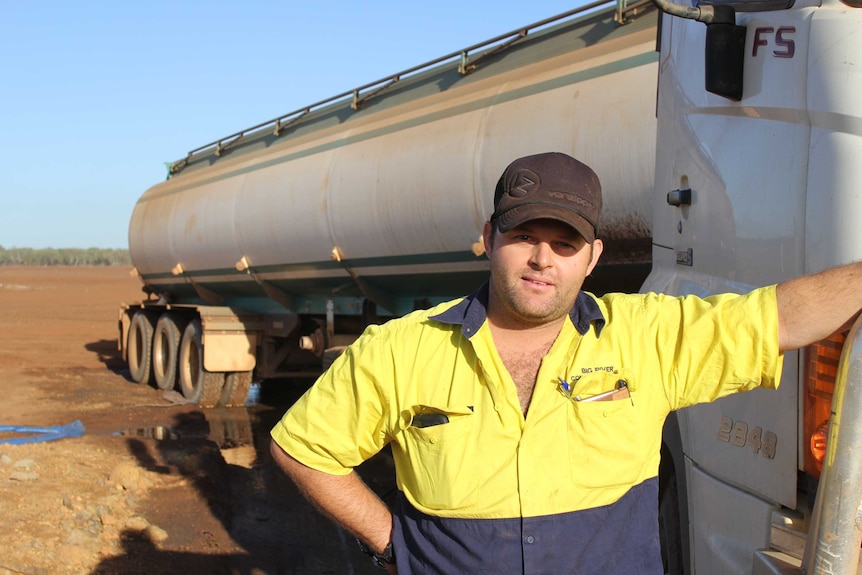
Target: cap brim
[{"x": 525, "y": 213}]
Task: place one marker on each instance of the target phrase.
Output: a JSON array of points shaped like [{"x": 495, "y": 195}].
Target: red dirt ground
[
  {"x": 151, "y": 487},
  {"x": 96, "y": 503}
]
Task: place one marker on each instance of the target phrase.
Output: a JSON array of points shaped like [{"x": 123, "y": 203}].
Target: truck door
[{"x": 730, "y": 205}]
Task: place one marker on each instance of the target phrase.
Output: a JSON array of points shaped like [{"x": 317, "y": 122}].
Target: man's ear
[
  {"x": 598, "y": 247},
  {"x": 488, "y": 237}
]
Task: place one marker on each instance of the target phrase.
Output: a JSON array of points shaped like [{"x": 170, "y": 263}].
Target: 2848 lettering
[{"x": 738, "y": 434}]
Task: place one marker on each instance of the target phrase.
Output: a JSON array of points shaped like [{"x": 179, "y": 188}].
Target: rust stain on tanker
[
  {"x": 191, "y": 224},
  {"x": 626, "y": 227},
  {"x": 324, "y": 201}
]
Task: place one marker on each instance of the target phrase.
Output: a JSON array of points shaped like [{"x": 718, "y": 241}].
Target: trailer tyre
[
  {"x": 236, "y": 386},
  {"x": 166, "y": 349},
  {"x": 139, "y": 345},
  {"x": 196, "y": 383}
]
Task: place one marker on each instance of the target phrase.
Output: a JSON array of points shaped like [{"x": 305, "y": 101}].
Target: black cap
[{"x": 553, "y": 186}]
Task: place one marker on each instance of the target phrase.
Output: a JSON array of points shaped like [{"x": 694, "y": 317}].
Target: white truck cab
[{"x": 758, "y": 171}]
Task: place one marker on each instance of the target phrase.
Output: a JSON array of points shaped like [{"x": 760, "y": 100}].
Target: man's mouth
[{"x": 536, "y": 281}]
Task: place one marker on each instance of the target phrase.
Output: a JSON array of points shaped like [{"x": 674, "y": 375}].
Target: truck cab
[{"x": 758, "y": 150}]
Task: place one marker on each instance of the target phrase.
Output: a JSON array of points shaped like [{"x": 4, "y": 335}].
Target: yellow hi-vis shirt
[{"x": 433, "y": 386}]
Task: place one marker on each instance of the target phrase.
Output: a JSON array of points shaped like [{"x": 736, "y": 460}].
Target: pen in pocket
[
  {"x": 620, "y": 392},
  {"x": 564, "y": 385}
]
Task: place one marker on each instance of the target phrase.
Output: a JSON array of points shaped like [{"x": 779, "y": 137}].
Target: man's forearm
[
  {"x": 343, "y": 498},
  {"x": 814, "y": 307}
]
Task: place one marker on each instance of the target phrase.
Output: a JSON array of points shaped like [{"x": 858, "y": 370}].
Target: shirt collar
[{"x": 471, "y": 312}]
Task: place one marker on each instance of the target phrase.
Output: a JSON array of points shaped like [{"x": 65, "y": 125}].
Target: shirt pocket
[
  {"x": 605, "y": 447},
  {"x": 442, "y": 456}
]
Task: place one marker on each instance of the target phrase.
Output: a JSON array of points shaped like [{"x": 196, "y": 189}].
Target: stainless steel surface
[
  {"x": 362, "y": 94},
  {"x": 833, "y": 542},
  {"x": 401, "y": 189}
]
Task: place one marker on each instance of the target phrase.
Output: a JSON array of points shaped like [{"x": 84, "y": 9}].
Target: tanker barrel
[{"x": 396, "y": 177}]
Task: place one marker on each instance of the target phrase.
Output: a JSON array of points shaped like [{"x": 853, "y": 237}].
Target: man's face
[{"x": 537, "y": 270}]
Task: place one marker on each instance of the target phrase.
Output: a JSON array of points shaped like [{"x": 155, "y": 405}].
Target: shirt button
[
  {"x": 531, "y": 539},
  {"x": 433, "y": 440}
]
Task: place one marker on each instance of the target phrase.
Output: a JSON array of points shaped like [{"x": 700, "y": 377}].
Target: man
[{"x": 525, "y": 420}]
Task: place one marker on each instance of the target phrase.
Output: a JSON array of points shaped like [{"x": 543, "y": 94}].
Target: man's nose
[{"x": 541, "y": 257}]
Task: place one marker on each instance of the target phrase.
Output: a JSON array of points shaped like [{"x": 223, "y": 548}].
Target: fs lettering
[{"x": 778, "y": 41}]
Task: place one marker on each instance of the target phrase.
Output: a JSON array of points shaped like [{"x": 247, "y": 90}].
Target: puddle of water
[
  {"x": 159, "y": 432},
  {"x": 227, "y": 427},
  {"x": 231, "y": 429}
]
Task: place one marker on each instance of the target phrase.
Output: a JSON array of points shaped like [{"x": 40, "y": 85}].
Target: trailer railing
[
  {"x": 362, "y": 94},
  {"x": 832, "y": 546}
]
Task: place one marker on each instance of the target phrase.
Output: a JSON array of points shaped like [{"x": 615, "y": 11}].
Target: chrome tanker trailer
[{"x": 267, "y": 250}]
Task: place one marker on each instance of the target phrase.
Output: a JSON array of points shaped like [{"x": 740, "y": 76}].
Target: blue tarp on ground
[{"x": 39, "y": 434}]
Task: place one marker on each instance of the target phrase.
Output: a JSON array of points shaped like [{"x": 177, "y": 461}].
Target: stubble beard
[{"x": 518, "y": 308}]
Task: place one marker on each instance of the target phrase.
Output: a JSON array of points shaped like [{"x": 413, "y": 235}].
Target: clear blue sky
[{"x": 96, "y": 95}]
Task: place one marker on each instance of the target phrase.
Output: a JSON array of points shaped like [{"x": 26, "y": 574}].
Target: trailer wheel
[
  {"x": 139, "y": 345},
  {"x": 236, "y": 388},
  {"x": 196, "y": 383},
  {"x": 166, "y": 348}
]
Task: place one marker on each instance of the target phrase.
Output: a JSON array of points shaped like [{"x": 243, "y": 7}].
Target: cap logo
[
  {"x": 524, "y": 182},
  {"x": 570, "y": 197}
]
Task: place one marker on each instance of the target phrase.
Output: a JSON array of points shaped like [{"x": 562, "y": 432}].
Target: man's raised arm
[{"x": 811, "y": 308}]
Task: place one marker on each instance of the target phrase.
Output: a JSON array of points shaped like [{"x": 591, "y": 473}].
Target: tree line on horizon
[{"x": 64, "y": 257}]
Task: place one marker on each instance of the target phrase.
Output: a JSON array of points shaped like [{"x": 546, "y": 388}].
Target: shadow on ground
[
  {"x": 108, "y": 352},
  {"x": 224, "y": 454}
]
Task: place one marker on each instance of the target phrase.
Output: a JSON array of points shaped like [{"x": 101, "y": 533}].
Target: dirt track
[{"x": 151, "y": 487}]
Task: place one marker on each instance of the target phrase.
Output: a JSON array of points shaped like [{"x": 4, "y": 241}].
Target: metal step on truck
[{"x": 728, "y": 138}]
